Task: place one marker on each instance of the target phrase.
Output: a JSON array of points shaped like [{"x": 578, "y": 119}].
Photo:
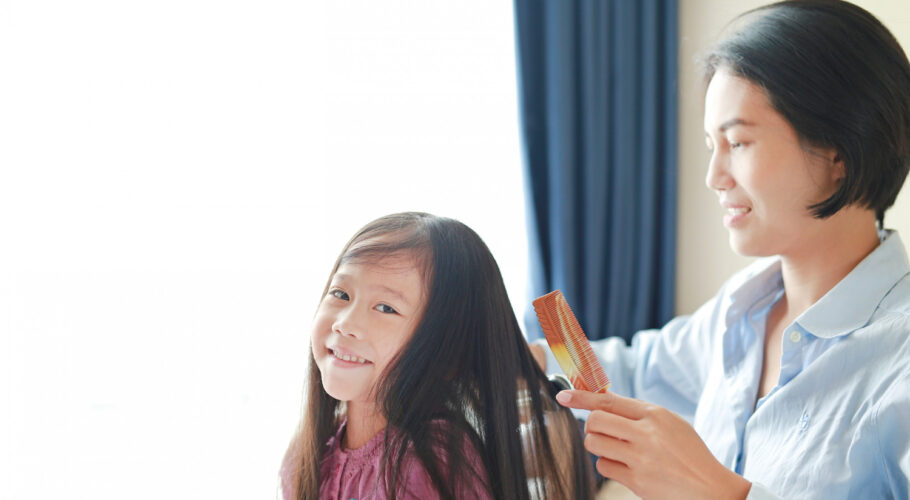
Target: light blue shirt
[{"x": 836, "y": 426}]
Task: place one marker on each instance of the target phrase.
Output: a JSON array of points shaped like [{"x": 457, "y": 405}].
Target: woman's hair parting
[
  {"x": 841, "y": 79},
  {"x": 466, "y": 379}
]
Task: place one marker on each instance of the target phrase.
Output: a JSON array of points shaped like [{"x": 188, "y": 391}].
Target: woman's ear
[{"x": 838, "y": 169}]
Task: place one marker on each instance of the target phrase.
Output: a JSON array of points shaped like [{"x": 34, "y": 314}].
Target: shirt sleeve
[{"x": 759, "y": 492}]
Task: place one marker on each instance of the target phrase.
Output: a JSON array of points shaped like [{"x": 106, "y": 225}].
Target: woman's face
[
  {"x": 764, "y": 178},
  {"x": 370, "y": 311}
]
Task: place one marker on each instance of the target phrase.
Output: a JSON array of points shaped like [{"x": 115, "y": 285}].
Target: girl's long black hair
[{"x": 467, "y": 367}]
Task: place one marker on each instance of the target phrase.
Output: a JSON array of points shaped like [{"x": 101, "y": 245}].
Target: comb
[{"x": 569, "y": 344}]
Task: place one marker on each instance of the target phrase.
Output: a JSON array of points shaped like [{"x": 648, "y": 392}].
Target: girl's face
[
  {"x": 368, "y": 314},
  {"x": 765, "y": 179}
]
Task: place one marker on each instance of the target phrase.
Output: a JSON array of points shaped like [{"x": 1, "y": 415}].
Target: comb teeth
[{"x": 569, "y": 344}]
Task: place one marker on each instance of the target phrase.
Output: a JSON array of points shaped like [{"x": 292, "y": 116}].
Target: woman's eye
[
  {"x": 339, "y": 294},
  {"x": 385, "y": 309},
  {"x": 736, "y": 145}
]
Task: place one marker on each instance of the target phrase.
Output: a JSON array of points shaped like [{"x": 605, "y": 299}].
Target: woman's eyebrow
[
  {"x": 727, "y": 125},
  {"x": 732, "y": 123}
]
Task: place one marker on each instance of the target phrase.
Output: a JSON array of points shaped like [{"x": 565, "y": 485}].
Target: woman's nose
[{"x": 718, "y": 177}]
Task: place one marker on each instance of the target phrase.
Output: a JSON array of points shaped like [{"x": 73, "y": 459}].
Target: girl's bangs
[{"x": 373, "y": 247}]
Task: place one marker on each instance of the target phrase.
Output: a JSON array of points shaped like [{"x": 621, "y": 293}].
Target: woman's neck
[
  {"x": 834, "y": 252},
  {"x": 364, "y": 422}
]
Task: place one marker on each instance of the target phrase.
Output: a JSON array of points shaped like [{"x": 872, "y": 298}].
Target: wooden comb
[{"x": 569, "y": 344}]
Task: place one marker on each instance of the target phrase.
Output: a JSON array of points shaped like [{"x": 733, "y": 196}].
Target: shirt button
[{"x": 795, "y": 336}]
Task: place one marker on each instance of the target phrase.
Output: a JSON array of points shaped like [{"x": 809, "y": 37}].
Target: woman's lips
[{"x": 735, "y": 214}]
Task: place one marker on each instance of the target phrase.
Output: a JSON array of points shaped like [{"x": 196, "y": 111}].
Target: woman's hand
[
  {"x": 539, "y": 356},
  {"x": 651, "y": 450}
]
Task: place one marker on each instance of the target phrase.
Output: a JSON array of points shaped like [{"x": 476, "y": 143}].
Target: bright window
[{"x": 176, "y": 179}]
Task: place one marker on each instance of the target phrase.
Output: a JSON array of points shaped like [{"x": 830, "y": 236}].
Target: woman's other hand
[
  {"x": 540, "y": 356},
  {"x": 651, "y": 450}
]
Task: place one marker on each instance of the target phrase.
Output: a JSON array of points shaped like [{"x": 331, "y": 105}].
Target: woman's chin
[{"x": 746, "y": 246}]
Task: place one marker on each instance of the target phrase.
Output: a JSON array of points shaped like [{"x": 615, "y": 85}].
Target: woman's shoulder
[
  {"x": 897, "y": 300},
  {"x": 888, "y": 269}
]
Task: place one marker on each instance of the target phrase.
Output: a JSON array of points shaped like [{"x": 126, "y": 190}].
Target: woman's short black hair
[{"x": 842, "y": 81}]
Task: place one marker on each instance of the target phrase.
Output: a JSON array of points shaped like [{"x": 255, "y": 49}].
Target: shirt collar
[
  {"x": 856, "y": 297},
  {"x": 760, "y": 279},
  {"x": 750, "y": 291}
]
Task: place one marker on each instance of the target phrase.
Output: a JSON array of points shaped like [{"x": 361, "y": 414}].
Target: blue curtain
[{"x": 598, "y": 106}]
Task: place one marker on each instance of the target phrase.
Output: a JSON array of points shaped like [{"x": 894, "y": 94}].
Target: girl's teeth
[
  {"x": 348, "y": 357},
  {"x": 737, "y": 211}
]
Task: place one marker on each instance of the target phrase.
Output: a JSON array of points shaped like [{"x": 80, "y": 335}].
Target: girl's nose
[
  {"x": 718, "y": 177},
  {"x": 347, "y": 323}
]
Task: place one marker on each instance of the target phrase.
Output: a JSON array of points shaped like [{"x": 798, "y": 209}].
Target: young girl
[{"x": 420, "y": 381}]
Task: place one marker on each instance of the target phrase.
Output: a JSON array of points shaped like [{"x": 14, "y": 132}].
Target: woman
[{"x": 794, "y": 380}]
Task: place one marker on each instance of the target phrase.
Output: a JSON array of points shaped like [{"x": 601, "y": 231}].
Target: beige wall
[{"x": 704, "y": 259}]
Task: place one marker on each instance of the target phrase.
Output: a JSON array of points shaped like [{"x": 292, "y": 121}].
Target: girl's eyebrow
[
  {"x": 394, "y": 292},
  {"x": 385, "y": 288}
]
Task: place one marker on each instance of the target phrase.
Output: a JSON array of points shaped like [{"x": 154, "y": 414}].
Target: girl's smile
[{"x": 344, "y": 358}]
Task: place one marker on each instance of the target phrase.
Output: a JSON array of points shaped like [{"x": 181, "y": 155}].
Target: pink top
[{"x": 355, "y": 474}]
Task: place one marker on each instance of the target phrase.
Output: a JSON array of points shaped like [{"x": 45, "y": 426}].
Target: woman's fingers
[
  {"x": 614, "y": 470},
  {"x": 609, "y": 447},
  {"x": 601, "y": 422},
  {"x": 608, "y": 402}
]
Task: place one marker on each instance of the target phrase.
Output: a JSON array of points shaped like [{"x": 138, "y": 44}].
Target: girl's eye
[
  {"x": 736, "y": 145},
  {"x": 385, "y": 309},
  {"x": 339, "y": 294}
]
